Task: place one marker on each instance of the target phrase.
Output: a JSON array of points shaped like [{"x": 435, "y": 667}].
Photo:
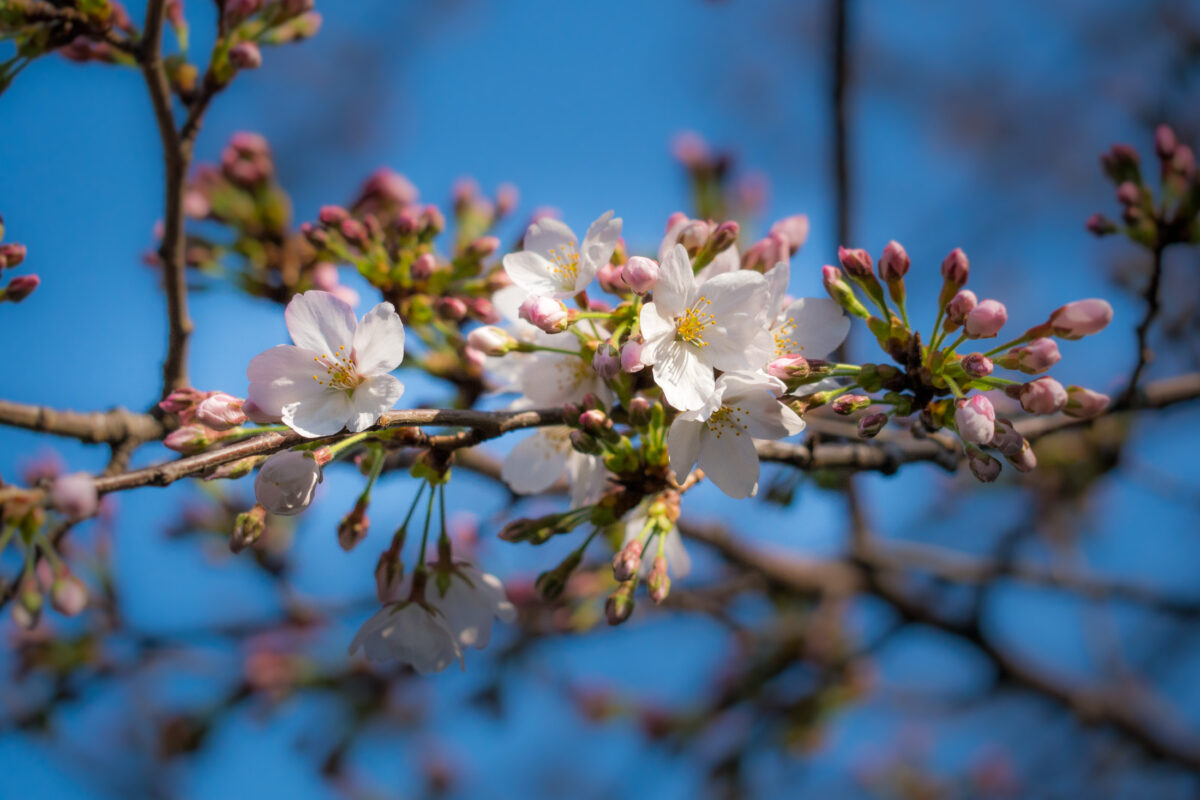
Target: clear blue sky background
[{"x": 576, "y": 103}]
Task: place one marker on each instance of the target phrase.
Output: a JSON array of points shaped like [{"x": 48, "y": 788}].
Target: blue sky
[{"x": 576, "y": 103}]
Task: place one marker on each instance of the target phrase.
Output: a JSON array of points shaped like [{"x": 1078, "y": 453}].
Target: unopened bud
[
  {"x": 985, "y": 468},
  {"x": 545, "y": 313},
  {"x": 627, "y": 561},
  {"x": 977, "y": 365},
  {"x": 794, "y": 229},
  {"x": 985, "y": 320},
  {"x": 610, "y": 279},
  {"x": 840, "y": 291},
  {"x": 27, "y": 605},
  {"x": 724, "y": 237},
  {"x": 659, "y": 582},
  {"x": 1081, "y": 318},
  {"x": 639, "y": 411},
  {"x": 354, "y": 526},
  {"x": 423, "y": 267},
  {"x": 190, "y": 439},
  {"x": 787, "y": 367},
  {"x": 631, "y": 357},
  {"x": 955, "y": 270},
  {"x": 766, "y": 253},
  {"x": 220, "y": 411},
  {"x": 847, "y": 404},
  {"x": 607, "y": 362},
  {"x": 1033, "y": 357},
  {"x": 68, "y": 595},
  {"x": 619, "y": 604},
  {"x": 870, "y": 425},
  {"x": 451, "y": 308},
  {"x": 1024, "y": 460},
  {"x": 245, "y": 55},
  {"x": 585, "y": 443},
  {"x": 389, "y": 574},
  {"x": 20, "y": 287},
  {"x": 640, "y": 274},
  {"x": 856, "y": 262},
  {"x": 491, "y": 341},
  {"x": 894, "y": 263},
  {"x": 12, "y": 255},
  {"x": 354, "y": 232},
  {"x": 248, "y": 527},
  {"x": 333, "y": 216},
  {"x": 482, "y": 247},
  {"x": 1006, "y": 439},
  {"x": 1129, "y": 194},
  {"x": 1100, "y": 225},
  {"x": 962, "y": 304},
  {"x": 433, "y": 221},
  {"x": 550, "y": 584},
  {"x": 1084, "y": 403},
  {"x": 1165, "y": 142},
  {"x": 975, "y": 419},
  {"x": 1043, "y": 396},
  {"x": 595, "y": 422}
]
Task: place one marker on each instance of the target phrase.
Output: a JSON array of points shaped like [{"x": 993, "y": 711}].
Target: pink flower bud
[
  {"x": 189, "y": 439},
  {"x": 975, "y": 419},
  {"x": 1024, "y": 460},
  {"x": 595, "y": 422},
  {"x": 986, "y": 319},
  {"x": 354, "y": 527},
  {"x": 451, "y": 308},
  {"x": 220, "y": 411},
  {"x": 690, "y": 149},
  {"x": 628, "y": 561},
  {"x": 985, "y": 468},
  {"x": 333, "y": 215},
  {"x": 354, "y": 232},
  {"x": 610, "y": 277},
  {"x": 789, "y": 366},
  {"x": 856, "y": 262},
  {"x": 483, "y": 247},
  {"x": 423, "y": 267},
  {"x": 766, "y": 253},
  {"x": 724, "y": 237},
  {"x": 694, "y": 234},
  {"x": 483, "y": 310},
  {"x": 1084, "y": 403},
  {"x": 238, "y": 10},
  {"x": 870, "y": 425},
  {"x": 631, "y": 357},
  {"x": 956, "y": 267},
  {"x": 1165, "y": 142},
  {"x": 1043, "y": 396},
  {"x": 389, "y": 574},
  {"x": 640, "y": 273},
  {"x": 794, "y": 229},
  {"x": 182, "y": 402},
  {"x": 959, "y": 306},
  {"x": 21, "y": 287},
  {"x": 544, "y": 313},
  {"x": 491, "y": 341},
  {"x": 659, "y": 583},
  {"x": 1081, "y": 318},
  {"x": 245, "y": 55},
  {"x": 388, "y": 186},
  {"x": 12, "y": 254},
  {"x": 894, "y": 263},
  {"x": 75, "y": 496},
  {"x": 507, "y": 198},
  {"x": 977, "y": 365},
  {"x": 847, "y": 404},
  {"x": 68, "y": 595},
  {"x": 1007, "y": 440},
  {"x": 433, "y": 221},
  {"x": 1128, "y": 194},
  {"x": 1100, "y": 225},
  {"x": 1032, "y": 357},
  {"x": 607, "y": 362}
]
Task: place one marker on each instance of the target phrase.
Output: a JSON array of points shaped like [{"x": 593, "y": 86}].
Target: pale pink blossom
[{"x": 975, "y": 419}]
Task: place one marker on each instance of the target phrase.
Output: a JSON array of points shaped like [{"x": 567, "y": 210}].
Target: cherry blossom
[
  {"x": 554, "y": 264},
  {"x": 287, "y": 481},
  {"x": 336, "y": 374},
  {"x": 411, "y": 632}
]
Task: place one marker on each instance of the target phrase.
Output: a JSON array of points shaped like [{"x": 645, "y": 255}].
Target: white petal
[
  {"x": 738, "y": 305},
  {"x": 321, "y": 322},
  {"x": 676, "y": 285},
  {"x": 731, "y": 462},
  {"x": 777, "y": 283},
  {"x": 536, "y": 462},
  {"x": 587, "y": 477},
  {"x": 534, "y": 274},
  {"x": 686, "y": 381},
  {"x": 549, "y": 233},
  {"x": 657, "y": 331},
  {"x": 372, "y": 398},
  {"x": 817, "y": 326},
  {"x": 683, "y": 446},
  {"x": 320, "y": 415},
  {"x": 676, "y": 554},
  {"x": 281, "y": 375},
  {"x": 598, "y": 245},
  {"x": 379, "y": 341},
  {"x": 725, "y": 261}
]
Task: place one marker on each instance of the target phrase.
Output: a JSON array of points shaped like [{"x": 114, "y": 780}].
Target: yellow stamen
[{"x": 691, "y": 324}]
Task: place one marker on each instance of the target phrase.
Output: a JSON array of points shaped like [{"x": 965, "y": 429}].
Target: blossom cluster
[{"x": 12, "y": 255}]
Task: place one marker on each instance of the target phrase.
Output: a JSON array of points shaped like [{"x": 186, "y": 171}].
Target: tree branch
[
  {"x": 1151, "y": 294},
  {"x": 108, "y": 427}
]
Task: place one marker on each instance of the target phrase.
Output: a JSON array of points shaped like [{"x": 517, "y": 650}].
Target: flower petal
[
  {"x": 817, "y": 326},
  {"x": 686, "y": 381},
  {"x": 322, "y": 414},
  {"x": 281, "y": 375},
  {"x": 731, "y": 462},
  {"x": 683, "y": 446},
  {"x": 321, "y": 322},
  {"x": 657, "y": 331},
  {"x": 598, "y": 245},
  {"x": 534, "y": 274},
  {"x": 372, "y": 398},
  {"x": 379, "y": 341},
  {"x": 549, "y": 233},
  {"x": 777, "y": 283},
  {"x": 676, "y": 285},
  {"x": 727, "y": 260},
  {"x": 537, "y": 461}
]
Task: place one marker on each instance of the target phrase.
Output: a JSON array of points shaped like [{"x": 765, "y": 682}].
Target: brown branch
[
  {"x": 482, "y": 424},
  {"x": 1151, "y": 294},
  {"x": 110, "y": 427},
  {"x": 177, "y": 153}
]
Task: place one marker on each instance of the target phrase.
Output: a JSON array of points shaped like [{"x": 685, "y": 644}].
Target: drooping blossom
[
  {"x": 690, "y": 328},
  {"x": 719, "y": 435},
  {"x": 554, "y": 263},
  {"x": 472, "y": 600},
  {"x": 336, "y": 374},
  {"x": 537, "y": 461},
  {"x": 412, "y": 633},
  {"x": 286, "y": 482}
]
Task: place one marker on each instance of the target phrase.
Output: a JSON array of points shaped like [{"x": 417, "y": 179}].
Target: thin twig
[{"x": 1153, "y": 304}]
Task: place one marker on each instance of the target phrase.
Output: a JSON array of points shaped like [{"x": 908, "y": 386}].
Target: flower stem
[
  {"x": 1019, "y": 340},
  {"x": 962, "y": 338},
  {"x": 425, "y": 535},
  {"x": 402, "y": 531},
  {"x": 953, "y": 386}
]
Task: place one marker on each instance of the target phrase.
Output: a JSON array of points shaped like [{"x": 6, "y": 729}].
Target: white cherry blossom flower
[
  {"x": 812, "y": 327},
  {"x": 537, "y": 461},
  {"x": 410, "y": 632},
  {"x": 691, "y": 328},
  {"x": 719, "y": 435},
  {"x": 688, "y": 232},
  {"x": 336, "y": 374},
  {"x": 553, "y": 262},
  {"x": 472, "y": 600},
  {"x": 286, "y": 482}
]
